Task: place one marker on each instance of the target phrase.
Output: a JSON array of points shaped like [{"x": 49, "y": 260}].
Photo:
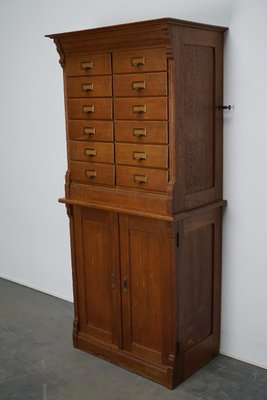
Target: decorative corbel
[{"x": 60, "y": 52}]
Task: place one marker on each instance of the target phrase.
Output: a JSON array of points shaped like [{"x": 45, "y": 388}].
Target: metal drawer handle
[
  {"x": 140, "y": 178},
  {"x": 91, "y": 173},
  {"x": 89, "y": 130},
  {"x": 89, "y": 109},
  {"x": 139, "y": 132},
  {"x": 138, "y": 85},
  {"x": 87, "y": 65},
  {"x": 139, "y": 109},
  {"x": 139, "y": 155},
  {"x": 87, "y": 87},
  {"x": 90, "y": 152},
  {"x": 136, "y": 61}
]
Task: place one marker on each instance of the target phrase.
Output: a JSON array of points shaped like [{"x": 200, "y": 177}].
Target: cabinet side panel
[
  {"x": 198, "y": 117},
  {"x": 198, "y": 284},
  {"x": 201, "y": 288},
  {"x": 201, "y": 120}
]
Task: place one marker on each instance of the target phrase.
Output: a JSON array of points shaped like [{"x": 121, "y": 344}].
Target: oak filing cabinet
[{"x": 144, "y": 192}]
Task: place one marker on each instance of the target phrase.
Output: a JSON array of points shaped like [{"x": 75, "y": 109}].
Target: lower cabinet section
[{"x": 147, "y": 292}]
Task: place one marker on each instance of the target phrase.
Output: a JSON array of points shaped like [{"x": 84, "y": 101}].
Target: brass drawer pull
[
  {"x": 91, "y": 173},
  {"x": 89, "y": 109},
  {"x": 90, "y": 152},
  {"x": 139, "y": 132},
  {"x": 136, "y": 61},
  {"x": 89, "y": 130},
  {"x": 139, "y": 155},
  {"x": 140, "y": 178},
  {"x": 88, "y": 87},
  {"x": 87, "y": 65},
  {"x": 138, "y": 85},
  {"x": 139, "y": 109}
]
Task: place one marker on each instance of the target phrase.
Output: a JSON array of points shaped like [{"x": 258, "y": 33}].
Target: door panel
[
  {"x": 96, "y": 236},
  {"x": 146, "y": 292}
]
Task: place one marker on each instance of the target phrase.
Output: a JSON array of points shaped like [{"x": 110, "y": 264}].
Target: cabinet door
[
  {"x": 96, "y": 243},
  {"x": 146, "y": 254}
]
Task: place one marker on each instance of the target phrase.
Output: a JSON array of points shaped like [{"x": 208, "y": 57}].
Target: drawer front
[
  {"x": 144, "y": 132},
  {"x": 144, "y": 108},
  {"x": 142, "y": 60},
  {"x": 88, "y": 64},
  {"x": 142, "y": 178},
  {"x": 132, "y": 85},
  {"x": 90, "y": 108},
  {"x": 95, "y": 86},
  {"x": 92, "y": 173},
  {"x": 92, "y": 152},
  {"x": 93, "y": 131},
  {"x": 142, "y": 155}
]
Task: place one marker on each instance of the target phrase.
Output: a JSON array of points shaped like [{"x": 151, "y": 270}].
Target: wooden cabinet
[{"x": 144, "y": 192}]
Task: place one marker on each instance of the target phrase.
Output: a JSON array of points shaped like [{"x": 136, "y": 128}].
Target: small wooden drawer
[
  {"x": 93, "y": 131},
  {"x": 142, "y": 60},
  {"x": 92, "y": 152},
  {"x": 92, "y": 173},
  {"x": 142, "y": 155},
  {"x": 142, "y": 178},
  {"x": 144, "y": 108},
  {"x": 132, "y": 85},
  {"x": 90, "y": 108},
  {"x": 88, "y": 64},
  {"x": 95, "y": 86},
  {"x": 144, "y": 132}
]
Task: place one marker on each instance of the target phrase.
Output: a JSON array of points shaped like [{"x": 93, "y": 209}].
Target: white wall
[{"x": 34, "y": 228}]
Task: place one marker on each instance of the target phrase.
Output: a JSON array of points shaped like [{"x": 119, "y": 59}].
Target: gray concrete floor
[{"x": 37, "y": 361}]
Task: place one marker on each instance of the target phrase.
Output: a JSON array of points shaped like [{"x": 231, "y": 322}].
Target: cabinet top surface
[{"x": 156, "y": 23}]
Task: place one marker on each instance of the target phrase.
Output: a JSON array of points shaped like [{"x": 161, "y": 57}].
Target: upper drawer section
[
  {"x": 88, "y": 64},
  {"x": 154, "y": 84},
  {"x": 142, "y": 60},
  {"x": 95, "y": 86}
]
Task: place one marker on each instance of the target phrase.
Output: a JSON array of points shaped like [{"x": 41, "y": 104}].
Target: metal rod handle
[{"x": 225, "y": 107}]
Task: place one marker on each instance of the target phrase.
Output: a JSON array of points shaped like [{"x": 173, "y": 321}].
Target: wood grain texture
[
  {"x": 144, "y": 193},
  {"x": 96, "y": 262},
  {"x": 92, "y": 173},
  {"x": 103, "y": 152},
  {"x": 101, "y": 108},
  {"x": 156, "y": 108},
  {"x": 150, "y": 60},
  {"x": 100, "y": 65},
  {"x": 151, "y": 132},
  {"x": 93, "y": 86},
  {"x": 148, "y": 84},
  {"x": 128, "y": 177},
  {"x": 99, "y": 130},
  {"x": 145, "y": 260},
  {"x": 155, "y": 156},
  {"x": 199, "y": 117}
]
